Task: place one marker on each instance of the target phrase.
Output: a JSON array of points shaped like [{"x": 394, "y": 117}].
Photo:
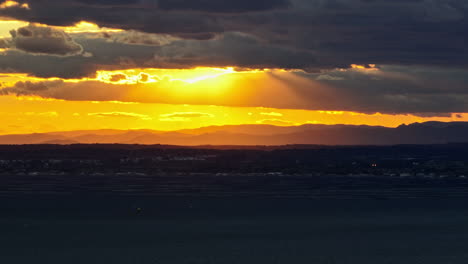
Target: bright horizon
[{"x": 38, "y": 115}]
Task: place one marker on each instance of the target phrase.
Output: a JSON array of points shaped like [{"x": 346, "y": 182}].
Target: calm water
[{"x": 232, "y": 230}]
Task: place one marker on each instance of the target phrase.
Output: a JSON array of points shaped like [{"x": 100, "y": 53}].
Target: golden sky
[
  {"x": 139, "y": 97},
  {"x": 34, "y": 114}
]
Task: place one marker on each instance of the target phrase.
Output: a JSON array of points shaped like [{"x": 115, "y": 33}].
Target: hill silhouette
[{"x": 417, "y": 133}]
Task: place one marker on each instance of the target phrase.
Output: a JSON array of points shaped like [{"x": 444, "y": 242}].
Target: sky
[{"x": 175, "y": 64}]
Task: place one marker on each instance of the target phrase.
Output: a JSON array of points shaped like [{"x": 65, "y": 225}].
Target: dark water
[{"x": 69, "y": 229}]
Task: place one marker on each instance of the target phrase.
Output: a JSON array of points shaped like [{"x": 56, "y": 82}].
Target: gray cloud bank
[
  {"x": 420, "y": 43},
  {"x": 336, "y": 32}
]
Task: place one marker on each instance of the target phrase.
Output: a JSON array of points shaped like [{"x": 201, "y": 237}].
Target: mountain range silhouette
[{"x": 416, "y": 133}]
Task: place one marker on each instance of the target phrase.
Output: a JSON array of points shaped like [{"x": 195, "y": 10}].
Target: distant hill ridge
[{"x": 417, "y": 133}]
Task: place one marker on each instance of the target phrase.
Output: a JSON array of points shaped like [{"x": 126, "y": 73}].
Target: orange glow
[
  {"x": 368, "y": 67},
  {"x": 7, "y": 25},
  {"x": 34, "y": 114},
  {"x": 332, "y": 112},
  {"x": 233, "y": 91},
  {"x": 135, "y": 76},
  {"x": 185, "y": 98},
  {"x": 87, "y": 27},
  {"x": 10, "y": 4}
]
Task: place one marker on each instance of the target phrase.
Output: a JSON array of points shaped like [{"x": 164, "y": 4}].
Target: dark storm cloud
[
  {"x": 109, "y": 2},
  {"x": 232, "y": 49},
  {"x": 30, "y": 88},
  {"x": 106, "y": 55},
  {"x": 137, "y": 38},
  {"x": 169, "y": 16},
  {"x": 44, "y": 40},
  {"x": 223, "y": 6},
  {"x": 33, "y": 87},
  {"x": 340, "y": 32},
  {"x": 198, "y": 5},
  {"x": 423, "y": 91}
]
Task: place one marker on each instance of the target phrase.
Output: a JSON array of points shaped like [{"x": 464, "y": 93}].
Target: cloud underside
[
  {"x": 231, "y": 49},
  {"x": 420, "y": 43},
  {"x": 43, "y": 40},
  {"x": 388, "y": 89},
  {"x": 300, "y": 34}
]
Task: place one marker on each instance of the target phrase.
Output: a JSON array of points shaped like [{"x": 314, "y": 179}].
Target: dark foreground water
[{"x": 73, "y": 229}]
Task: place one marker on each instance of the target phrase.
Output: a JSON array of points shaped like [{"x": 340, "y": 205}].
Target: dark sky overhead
[
  {"x": 366, "y": 56},
  {"x": 335, "y": 33}
]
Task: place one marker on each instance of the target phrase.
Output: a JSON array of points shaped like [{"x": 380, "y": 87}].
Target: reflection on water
[{"x": 232, "y": 230}]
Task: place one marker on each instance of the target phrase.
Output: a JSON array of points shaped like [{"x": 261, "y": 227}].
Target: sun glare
[
  {"x": 87, "y": 27},
  {"x": 7, "y": 25},
  {"x": 189, "y": 76}
]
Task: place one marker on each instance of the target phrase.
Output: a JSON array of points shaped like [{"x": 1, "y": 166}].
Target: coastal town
[{"x": 293, "y": 171}]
